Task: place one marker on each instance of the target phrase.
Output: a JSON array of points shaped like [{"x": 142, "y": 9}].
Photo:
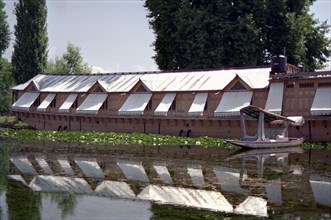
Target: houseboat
[{"x": 184, "y": 103}]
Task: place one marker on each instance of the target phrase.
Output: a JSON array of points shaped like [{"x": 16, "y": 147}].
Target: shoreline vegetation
[{"x": 10, "y": 128}]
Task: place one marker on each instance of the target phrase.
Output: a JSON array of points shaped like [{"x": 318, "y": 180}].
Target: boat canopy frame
[{"x": 264, "y": 116}]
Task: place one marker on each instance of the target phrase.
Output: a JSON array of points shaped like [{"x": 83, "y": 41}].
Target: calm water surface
[{"x": 53, "y": 180}]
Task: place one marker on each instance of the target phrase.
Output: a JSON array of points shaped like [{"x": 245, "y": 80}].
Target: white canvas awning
[
  {"x": 25, "y": 101},
  {"x": 322, "y": 102},
  {"x": 198, "y": 104},
  {"x": 275, "y": 98},
  {"x": 68, "y": 103},
  {"x": 135, "y": 104},
  {"x": 163, "y": 107},
  {"x": 92, "y": 103},
  {"x": 232, "y": 102},
  {"x": 43, "y": 106}
]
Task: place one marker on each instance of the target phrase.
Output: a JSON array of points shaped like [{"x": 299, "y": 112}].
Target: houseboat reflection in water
[{"x": 256, "y": 182}]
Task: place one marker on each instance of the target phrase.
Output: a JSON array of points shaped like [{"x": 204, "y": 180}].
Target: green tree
[
  {"x": 70, "y": 62},
  {"x": 30, "y": 47},
  {"x": 163, "y": 18},
  {"x": 4, "y": 30},
  {"x": 5, "y": 71},
  {"x": 6, "y": 82},
  {"x": 207, "y": 34}
]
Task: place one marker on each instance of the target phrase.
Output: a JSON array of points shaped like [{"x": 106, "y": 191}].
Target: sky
[{"x": 113, "y": 35}]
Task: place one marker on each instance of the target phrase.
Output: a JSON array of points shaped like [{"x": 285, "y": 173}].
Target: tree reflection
[
  {"x": 66, "y": 202},
  {"x": 4, "y": 163},
  {"x": 1, "y": 212},
  {"x": 22, "y": 202}
]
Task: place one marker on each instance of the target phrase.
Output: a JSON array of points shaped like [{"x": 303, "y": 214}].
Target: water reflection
[
  {"x": 66, "y": 202},
  {"x": 275, "y": 156},
  {"x": 321, "y": 186},
  {"x": 226, "y": 181}
]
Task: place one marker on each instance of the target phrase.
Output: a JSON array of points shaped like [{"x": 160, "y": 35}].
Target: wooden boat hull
[{"x": 291, "y": 142}]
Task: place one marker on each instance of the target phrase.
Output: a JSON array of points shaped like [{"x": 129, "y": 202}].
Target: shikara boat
[{"x": 275, "y": 135}]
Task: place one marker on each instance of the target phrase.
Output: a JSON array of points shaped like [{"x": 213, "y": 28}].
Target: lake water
[{"x": 54, "y": 180}]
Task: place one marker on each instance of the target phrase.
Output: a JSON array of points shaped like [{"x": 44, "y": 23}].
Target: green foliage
[
  {"x": 70, "y": 62},
  {"x": 207, "y": 34},
  {"x": 30, "y": 47},
  {"x": 6, "y": 81},
  {"x": 4, "y": 30},
  {"x": 111, "y": 138},
  {"x": 316, "y": 146}
]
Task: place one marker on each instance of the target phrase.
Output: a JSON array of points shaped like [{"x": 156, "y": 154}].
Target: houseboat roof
[{"x": 177, "y": 81}]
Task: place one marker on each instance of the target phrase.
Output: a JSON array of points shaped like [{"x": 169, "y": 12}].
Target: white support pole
[
  {"x": 262, "y": 125},
  {"x": 260, "y": 131},
  {"x": 243, "y": 124}
]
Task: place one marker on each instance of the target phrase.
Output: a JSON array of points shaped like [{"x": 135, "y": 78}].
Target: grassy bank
[
  {"x": 110, "y": 138},
  {"x": 11, "y": 128}
]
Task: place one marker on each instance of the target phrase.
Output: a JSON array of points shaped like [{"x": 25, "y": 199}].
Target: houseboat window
[
  {"x": 141, "y": 89},
  {"x": 290, "y": 86},
  {"x": 32, "y": 88},
  {"x": 173, "y": 105},
  {"x": 324, "y": 84},
  {"x": 53, "y": 103},
  {"x": 306, "y": 85},
  {"x": 37, "y": 102},
  {"x": 14, "y": 96},
  {"x": 98, "y": 89},
  {"x": 105, "y": 105},
  {"x": 238, "y": 86},
  {"x": 206, "y": 105},
  {"x": 75, "y": 105},
  {"x": 149, "y": 105}
]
